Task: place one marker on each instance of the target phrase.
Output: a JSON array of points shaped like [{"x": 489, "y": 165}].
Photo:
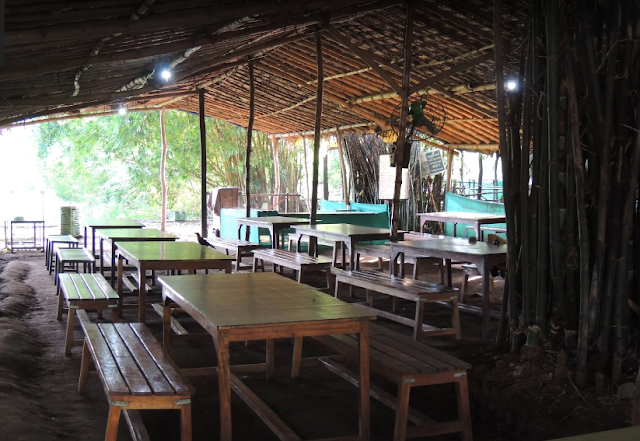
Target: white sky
[{"x": 21, "y": 185}]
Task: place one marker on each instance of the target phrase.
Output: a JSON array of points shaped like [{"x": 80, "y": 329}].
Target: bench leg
[
  {"x": 115, "y": 315},
  {"x": 112, "y": 423},
  {"x": 329, "y": 280},
  {"x": 455, "y": 316},
  {"x": 84, "y": 367},
  {"x": 335, "y": 292},
  {"x": 60, "y": 304},
  {"x": 71, "y": 314},
  {"x": 255, "y": 265},
  {"x": 464, "y": 411},
  {"x": 417, "y": 330},
  {"x": 402, "y": 412},
  {"x": 185, "y": 422},
  {"x": 297, "y": 357},
  {"x": 300, "y": 274}
]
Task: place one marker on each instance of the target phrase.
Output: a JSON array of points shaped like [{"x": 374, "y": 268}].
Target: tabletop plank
[{"x": 253, "y": 299}]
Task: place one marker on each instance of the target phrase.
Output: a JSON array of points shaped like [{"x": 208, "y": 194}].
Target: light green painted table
[{"x": 626, "y": 434}]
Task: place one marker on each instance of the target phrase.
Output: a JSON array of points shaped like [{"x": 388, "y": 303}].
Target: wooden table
[
  {"x": 258, "y": 306},
  {"x": 35, "y": 244},
  {"x": 168, "y": 256},
  {"x": 273, "y": 223},
  {"x": 483, "y": 255},
  {"x": 626, "y": 434},
  {"x": 95, "y": 223},
  {"x": 349, "y": 234},
  {"x": 116, "y": 235},
  {"x": 456, "y": 217}
]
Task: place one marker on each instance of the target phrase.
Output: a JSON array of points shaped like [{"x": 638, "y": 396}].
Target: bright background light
[
  {"x": 166, "y": 74},
  {"x": 511, "y": 85},
  {"x": 122, "y": 110}
]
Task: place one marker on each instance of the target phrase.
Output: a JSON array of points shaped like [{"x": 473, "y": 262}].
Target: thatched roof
[{"x": 70, "y": 58}]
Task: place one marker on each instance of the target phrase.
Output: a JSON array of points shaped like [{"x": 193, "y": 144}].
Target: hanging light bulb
[
  {"x": 511, "y": 85},
  {"x": 165, "y": 74}
]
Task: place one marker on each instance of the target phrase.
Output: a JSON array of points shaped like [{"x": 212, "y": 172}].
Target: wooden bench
[
  {"x": 50, "y": 246},
  {"x": 135, "y": 373},
  {"x": 87, "y": 292},
  {"x": 384, "y": 252},
  {"x": 417, "y": 291},
  {"x": 298, "y": 262},
  {"x": 73, "y": 257},
  {"x": 483, "y": 229},
  {"x": 409, "y": 364},
  {"x": 298, "y": 238},
  {"x": 237, "y": 247}
]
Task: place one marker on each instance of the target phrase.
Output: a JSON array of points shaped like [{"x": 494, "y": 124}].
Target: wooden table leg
[
  {"x": 113, "y": 262},
  {"x": 365, "y": 416},
  {"x": 224, "y": 385},
  {"x": 166, "y": 324},
  {"x": 486, "y": 298},
  {"x": 120, "y": 283},
  {"x": 142, "y": 292}
]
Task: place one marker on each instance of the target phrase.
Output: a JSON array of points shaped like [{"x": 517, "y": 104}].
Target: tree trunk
[
  {"x": 276, "y": 173},
  {"x": 247, "y": 165}
]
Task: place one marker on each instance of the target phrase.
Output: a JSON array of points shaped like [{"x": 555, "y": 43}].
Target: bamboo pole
[
  {"x": 317, "y": 139},
  {"x": 553, "y": 145},
  {"x": 306, "y": 172},
  {"x": 504, "y": 152},
  {"x": 343, "y": 170},
  {"x": 247, "y": 166},
  {"x": 583, "y": 232},
  {"x": 163, "y": 176},
  {"x": 401, "y": 149},
  {"x": 203, "y": 164}
]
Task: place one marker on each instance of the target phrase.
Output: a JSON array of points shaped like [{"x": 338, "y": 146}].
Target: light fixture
[
  {"x": 511, "y": 85},
  {"x": 165, "y": 74},
  {"x": 122, "y": 110}
]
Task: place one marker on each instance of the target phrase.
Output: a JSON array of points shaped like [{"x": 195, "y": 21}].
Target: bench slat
[
  {"x": 170, "y": 370},
  {"x": 148, "y": 367},
  {"x": 107, "y": 291},
  {"x": 68, "y": 286},
  {"x": 81, "y": 291},
  {"x": 418, "y": 347},
  {"x": 378, "y": 279},
  {"x": 104, "y": 361},
  {"x": 289, "y": 257},
  {"x": 379, "y": 360},
  {"x": 135, "y": 380}
]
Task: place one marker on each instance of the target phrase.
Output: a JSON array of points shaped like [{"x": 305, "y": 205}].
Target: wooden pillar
[
  {"x": 306, "y": 172},
  {"x": 203, "y": 164},
  {"x": 325, "y": 177},
  {"x": 316, "y": 139},
  {"x": 343, "y": 169},
  {"x": 276, "y": 172},
  {"x": 247, "y": 164},
  {"x": 400, "y": 149},
  {"x": 163, "y": 174},
  {"x": 447, "y": 187}
]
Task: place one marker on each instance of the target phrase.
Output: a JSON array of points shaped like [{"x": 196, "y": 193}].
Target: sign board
[
  {"x": 431, "y": 162},
  {"x": 387, "y": 180}
]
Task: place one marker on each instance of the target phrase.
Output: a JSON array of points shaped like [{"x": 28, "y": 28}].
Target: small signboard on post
[
  {"x": 431, "y": 162},
  {"x": 387, "y": 180}
]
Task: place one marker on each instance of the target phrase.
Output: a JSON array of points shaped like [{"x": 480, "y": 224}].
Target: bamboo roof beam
[
  {"x": 175, "y": 19},
  {"x": 326, "y": 131},
  {"x": 448, "y": 91},
  {"x": 330, "y": 96},
  {"x": 451, "y": 71},
  {"x": 366, "y": 57}
]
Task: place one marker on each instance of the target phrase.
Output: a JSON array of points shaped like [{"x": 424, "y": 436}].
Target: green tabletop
[
  {"x": 626, "y": 434},
  {"x": 120, "y": 234},
  {"x": 169, "y": 251},
  {"x": 114, "y": 223}
]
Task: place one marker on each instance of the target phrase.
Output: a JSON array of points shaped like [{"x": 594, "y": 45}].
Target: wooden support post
[
  {"x": 163, "y": 176},
  {"x": 447, "y": 187},
  {"x": 316, "y": 139},
  {"x": 203, "y": 164},
  {"x": 400, "y": 149},
  {"x": 276, "y": 172},
  {"x": 306, "y": 172},
  {"x": 252, "y": 92},
  {"x": 343, "y": 169}
]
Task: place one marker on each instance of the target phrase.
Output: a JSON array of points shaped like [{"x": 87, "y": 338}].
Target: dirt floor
[{"x": 513, "y": 396}]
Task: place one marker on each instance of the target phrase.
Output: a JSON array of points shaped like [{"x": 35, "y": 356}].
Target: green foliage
[{"x": 110, "y": 165}]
